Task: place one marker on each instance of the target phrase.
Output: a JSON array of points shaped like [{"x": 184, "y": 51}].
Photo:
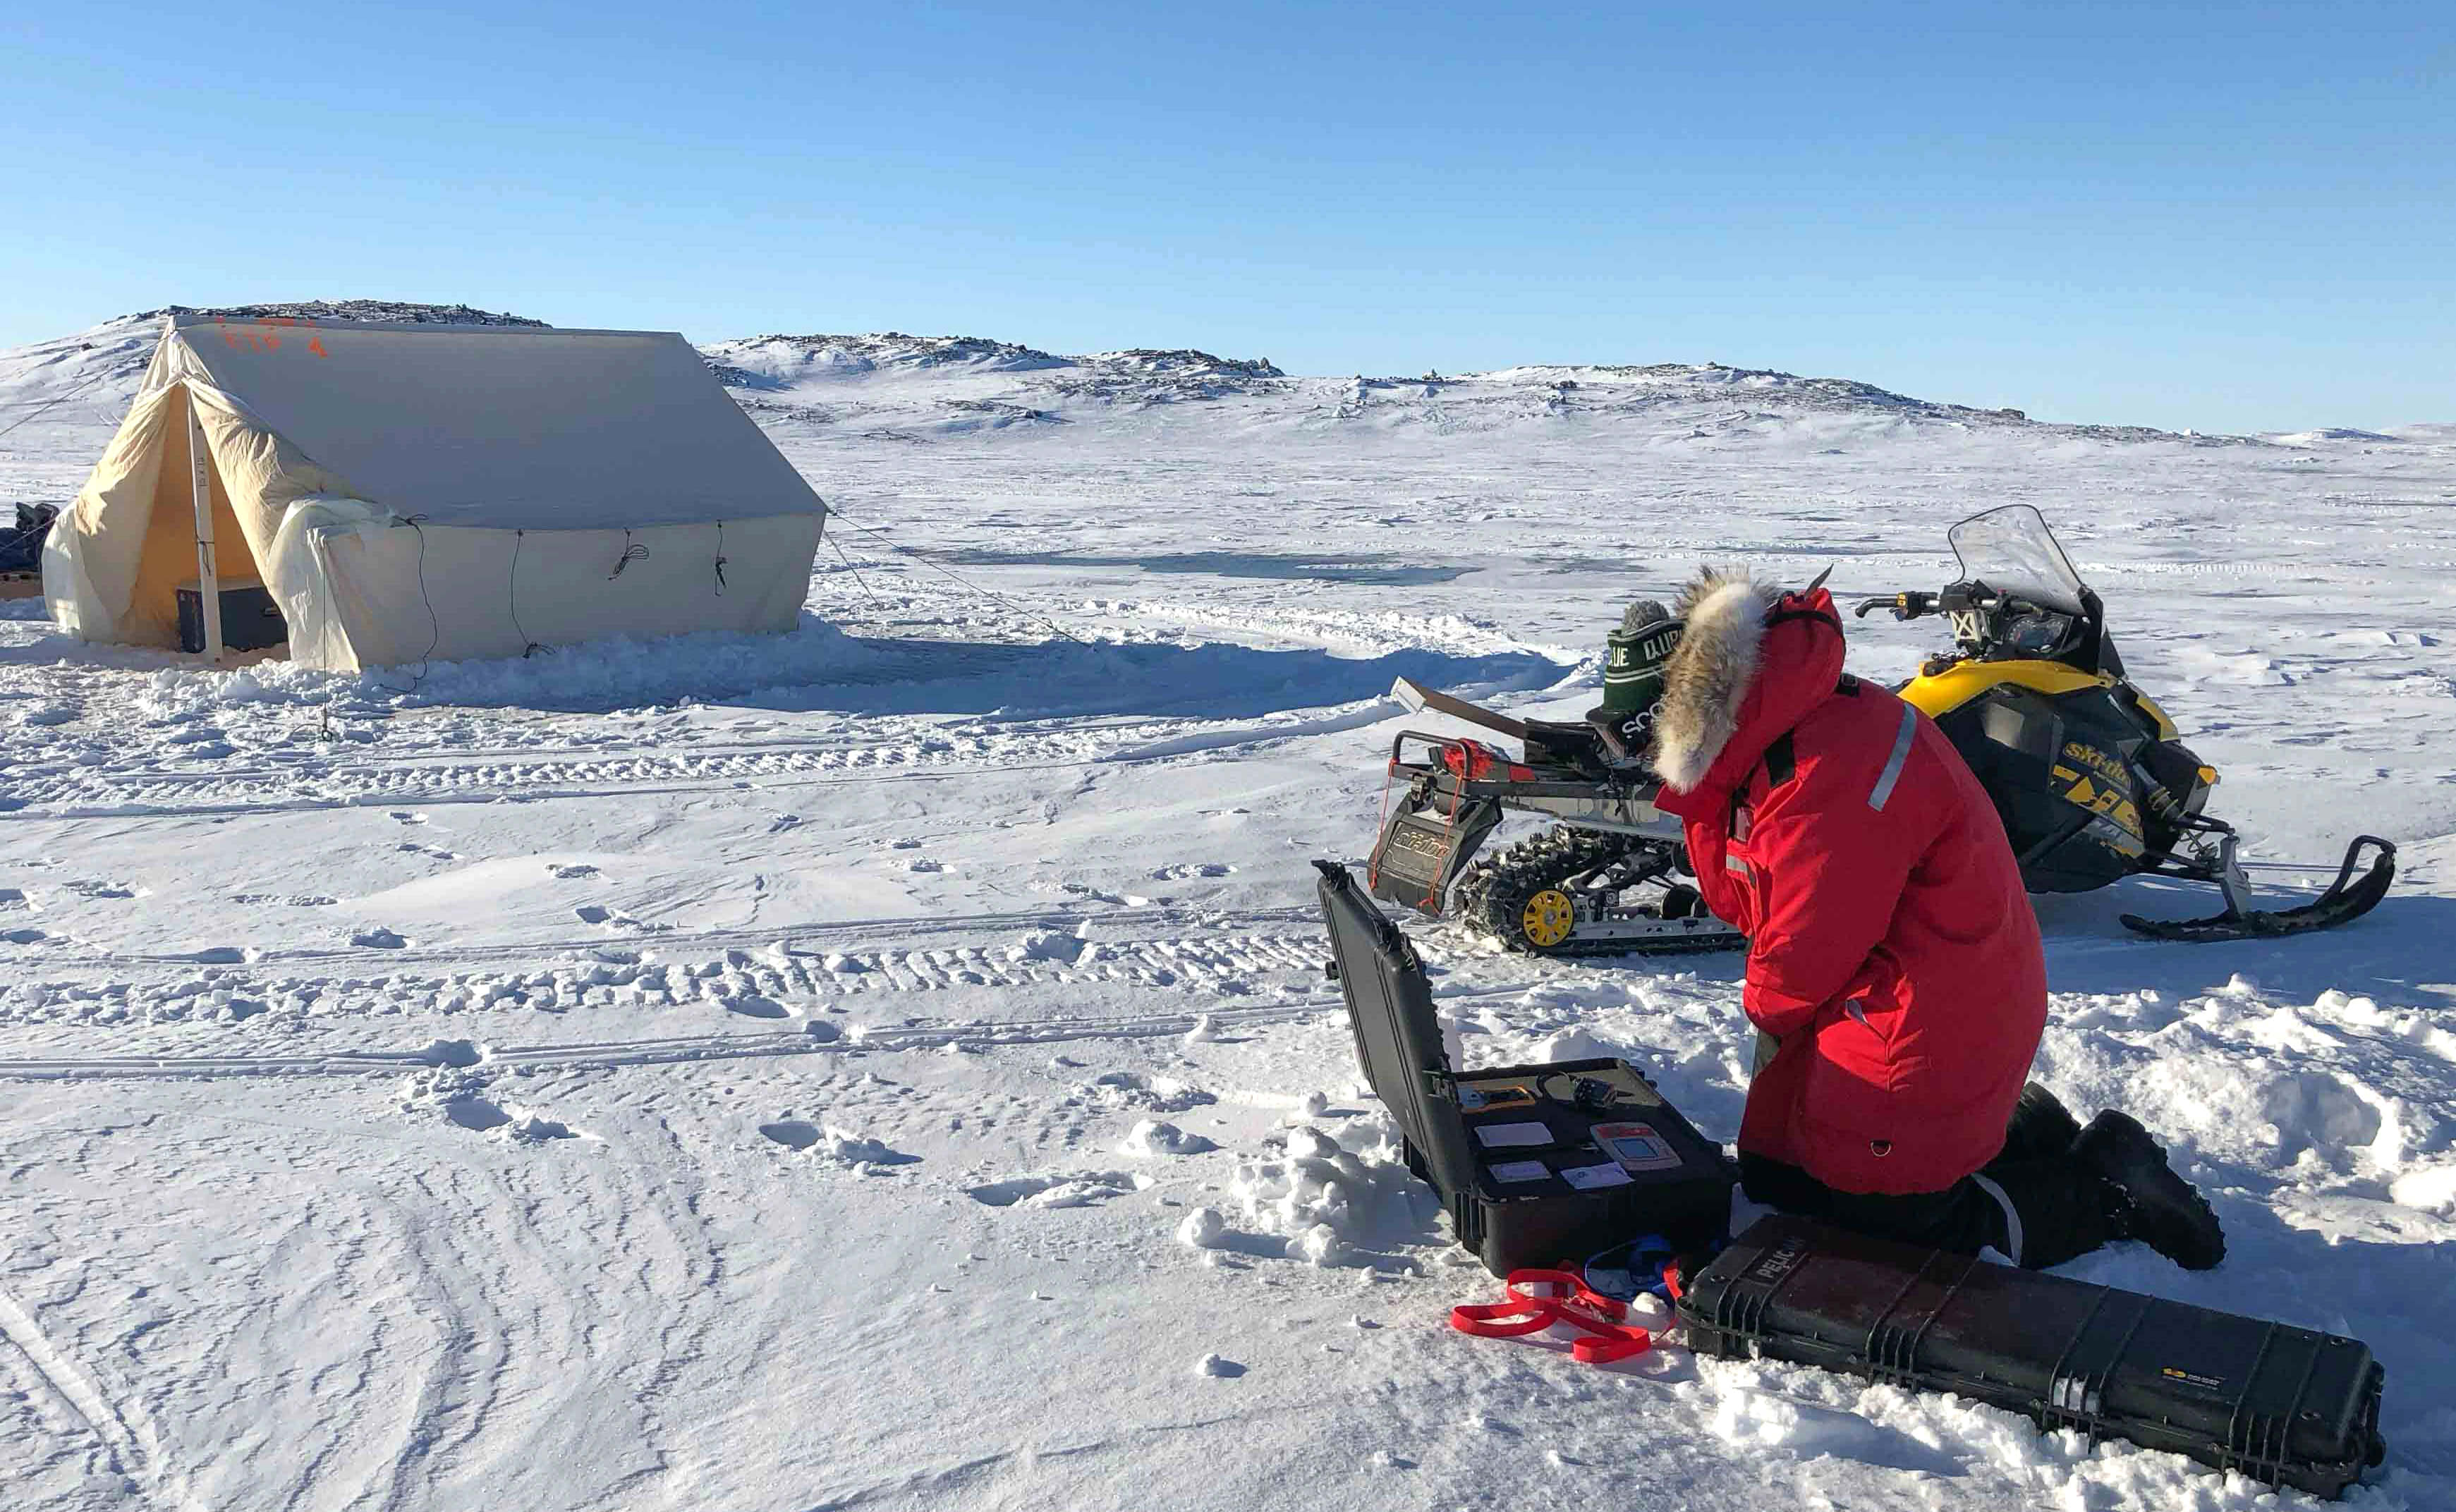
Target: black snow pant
[{"x": 2034, "y": 1203}]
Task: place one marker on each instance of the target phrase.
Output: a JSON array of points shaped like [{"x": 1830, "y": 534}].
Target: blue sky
[{"x": 2228, "y": 217}]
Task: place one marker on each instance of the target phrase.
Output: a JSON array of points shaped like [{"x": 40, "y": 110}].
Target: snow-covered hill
[
  {"x": 941, "y": 385},
  {"x": 925, "y": 387},
  {"x": 888, "y": 1065}
]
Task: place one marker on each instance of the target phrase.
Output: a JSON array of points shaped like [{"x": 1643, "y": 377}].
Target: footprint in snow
[
  {"x": 827, "y": 1142},
  {"x": 530, "y": 1128},
  {"x": 454, "y": 1089},
  {"x": 1047, "y": 945},
  {"x": 1152, "y": 1137},
  {"x": 1123, "y": 900},
  {"x": 616, "y": 919},
  {"x": 476, "y": 1112},
  {"x": 1077, "y": 1190},
  {"x": 517, "y": 1125},
  {"x": 791, "y": 1133}
]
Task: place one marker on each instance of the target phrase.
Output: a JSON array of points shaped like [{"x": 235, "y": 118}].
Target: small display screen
[{"x": 1637, "y": 1147}]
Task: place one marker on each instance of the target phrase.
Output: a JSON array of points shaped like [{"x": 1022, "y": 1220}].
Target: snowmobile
[
  {"x": 2089, "y": 775},
  {"x": 2092, "y": 779}
]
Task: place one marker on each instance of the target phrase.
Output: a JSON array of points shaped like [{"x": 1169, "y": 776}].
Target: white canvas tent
[{"x": 415, "y": 491}]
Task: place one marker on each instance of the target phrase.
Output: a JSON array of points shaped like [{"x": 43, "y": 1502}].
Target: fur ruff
[{"x": 1709, "y": 674}]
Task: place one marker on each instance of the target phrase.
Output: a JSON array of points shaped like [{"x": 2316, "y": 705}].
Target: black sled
[{"x": 1609, "y": 877}]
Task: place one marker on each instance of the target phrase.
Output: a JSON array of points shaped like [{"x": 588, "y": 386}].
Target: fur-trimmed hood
[{"x": 1708, "y": 679}]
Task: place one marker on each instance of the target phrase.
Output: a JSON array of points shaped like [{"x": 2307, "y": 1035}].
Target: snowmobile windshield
[{"x": 2011, "y": 551}]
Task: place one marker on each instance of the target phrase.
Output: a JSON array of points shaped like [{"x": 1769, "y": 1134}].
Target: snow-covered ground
[{"x": 889, "y": 1066}]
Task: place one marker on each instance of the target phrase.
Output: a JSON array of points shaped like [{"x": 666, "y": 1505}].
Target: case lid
[{"x": 1398, "y": 1035}]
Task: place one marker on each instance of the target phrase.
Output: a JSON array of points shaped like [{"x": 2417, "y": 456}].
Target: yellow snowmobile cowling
[{"x": 1939, "y": 693}]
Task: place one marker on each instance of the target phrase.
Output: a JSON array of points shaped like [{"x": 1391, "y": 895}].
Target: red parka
[{"x": 1891, "y": 951}]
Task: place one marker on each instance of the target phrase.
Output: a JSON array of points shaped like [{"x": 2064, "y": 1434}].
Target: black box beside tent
[{"x": 21, "y": 549}]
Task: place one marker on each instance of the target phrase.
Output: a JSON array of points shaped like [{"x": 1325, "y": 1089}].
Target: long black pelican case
[
  {"x": 1537, "y": 1164},
  {"x": 2281, "y": 1404}
]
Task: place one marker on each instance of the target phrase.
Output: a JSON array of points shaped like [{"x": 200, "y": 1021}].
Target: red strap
[{"x": 1572, "y": 1302}]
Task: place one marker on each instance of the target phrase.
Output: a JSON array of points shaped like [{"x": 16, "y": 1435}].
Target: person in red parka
[{"x": 1894, "y": 962}]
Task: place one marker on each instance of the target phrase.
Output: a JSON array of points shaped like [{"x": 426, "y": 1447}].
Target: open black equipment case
[
  {"x": 2281, "y": 1404},
  {"x": 1537, "y": 1164}
]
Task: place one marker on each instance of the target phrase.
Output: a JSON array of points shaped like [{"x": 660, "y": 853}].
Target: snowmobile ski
[{"x": 2345, "y": 899}]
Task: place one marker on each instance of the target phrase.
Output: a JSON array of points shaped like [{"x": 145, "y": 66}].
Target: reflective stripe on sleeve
[
  {"x": 1893, "y": 773},
  {"x": 2012, "y": 1215}
]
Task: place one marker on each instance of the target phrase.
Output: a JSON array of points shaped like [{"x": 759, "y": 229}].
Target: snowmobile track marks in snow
[
  {"x": 130, "y": 1449},
  {"x": 448, "y": 775},
  {"x": 814, "y": 939},
  {"x": 612, "y": 1054}
]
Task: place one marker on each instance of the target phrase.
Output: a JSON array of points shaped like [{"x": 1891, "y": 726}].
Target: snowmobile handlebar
[{"x": 1905, "y": 605}]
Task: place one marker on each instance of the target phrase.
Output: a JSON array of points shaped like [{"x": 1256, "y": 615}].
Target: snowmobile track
[
  {"x": 827, "y": 935},
  {"x": 103, "y": 795},
  {"x": 617, "y": 1053},
  {"x": 753, "y": 973},
  {"x": 130, "y": 1447},
  {"x": 439, "y": 777}
]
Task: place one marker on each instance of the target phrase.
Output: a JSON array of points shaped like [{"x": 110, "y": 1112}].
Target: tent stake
[{"x": 208, "y": 583}]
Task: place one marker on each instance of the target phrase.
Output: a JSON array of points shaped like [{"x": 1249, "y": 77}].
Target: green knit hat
[{"x": 1633, "y": 669}]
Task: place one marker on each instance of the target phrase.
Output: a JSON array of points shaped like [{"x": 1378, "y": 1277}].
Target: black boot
[
  {"x": 2041, "y": 1127},
  {"x": 2153, "y": 1204}
]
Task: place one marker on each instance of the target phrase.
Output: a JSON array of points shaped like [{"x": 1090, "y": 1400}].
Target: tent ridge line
[{"x": 194, "y": 322}]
